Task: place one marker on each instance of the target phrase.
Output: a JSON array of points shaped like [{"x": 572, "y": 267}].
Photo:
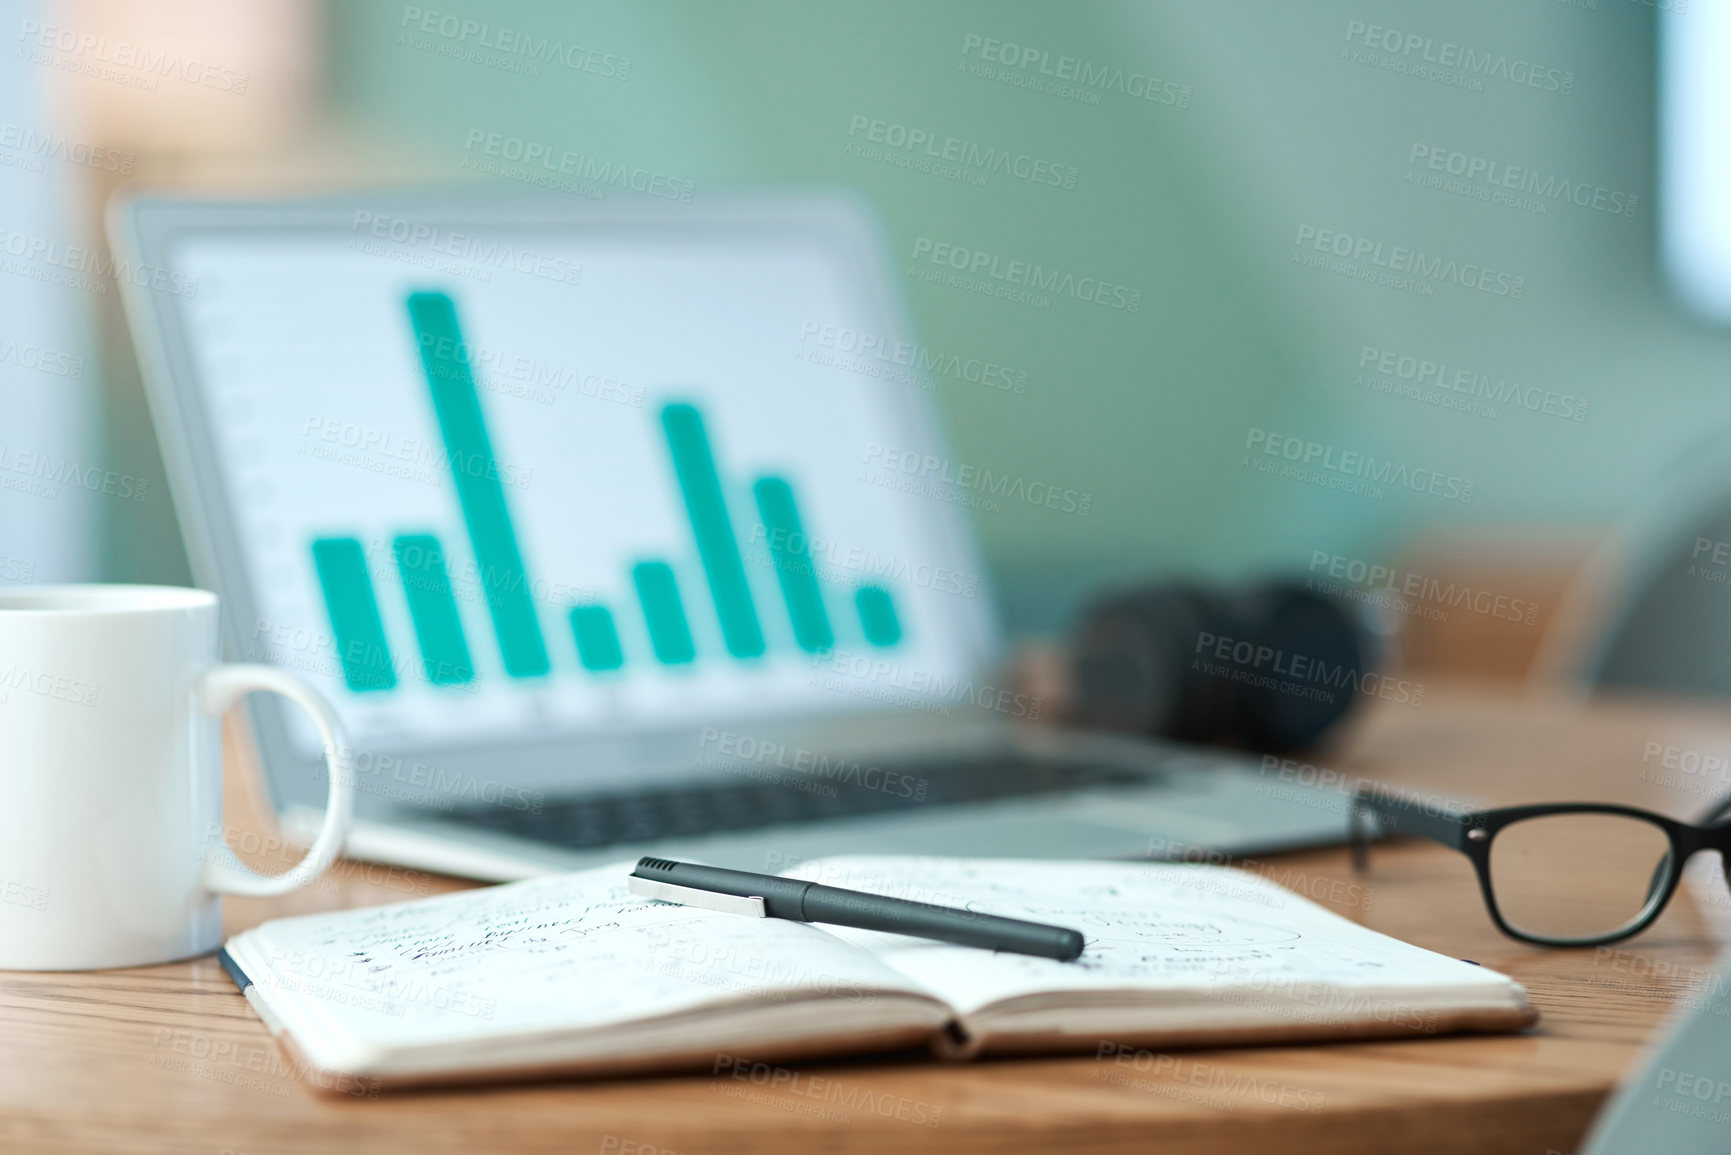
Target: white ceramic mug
[{"x": 111, "y": 847}]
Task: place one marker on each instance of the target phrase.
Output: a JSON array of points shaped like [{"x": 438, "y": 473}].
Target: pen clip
[{"x": 691, "y": 896}]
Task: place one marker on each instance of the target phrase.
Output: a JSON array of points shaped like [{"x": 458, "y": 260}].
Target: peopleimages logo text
[
  {"x": 1352, "y": 463},
  {"x": 1399, "y": 259},
  {"x": 928, "y": 467},
  {"x": 84, "y": 262},
  {"x": 1083, "y": 73},
  {"x": 1297, "y": 675},
  {"x": 562, "y": 161},
  {"x": 1441, "y": 375},
  {"x": 1418, "y": 587},
  {"x": 744, "y": 748},
  {"x": 52, "y": 146},
  {"x": 467, "y": 247},
  {"x": 978, "y": 263},
  {"x": 1448, "y": 54},
  {"x": 922, "y": 359},
  {"x": 1498, "y": 175},
  {"x": 987, "y": 158},
  {"x": 515, "y": 42},
  {"x": 87, "y": 47}
]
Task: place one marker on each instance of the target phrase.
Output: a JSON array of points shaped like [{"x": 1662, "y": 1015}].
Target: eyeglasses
[{"x": 1571, "y": 874}]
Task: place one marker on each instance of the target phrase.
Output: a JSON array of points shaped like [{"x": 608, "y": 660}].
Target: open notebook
[{"x": 572, "y": 973}]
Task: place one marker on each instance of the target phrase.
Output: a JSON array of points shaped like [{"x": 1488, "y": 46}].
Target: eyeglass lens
[{"x": 1578, "y": 876}]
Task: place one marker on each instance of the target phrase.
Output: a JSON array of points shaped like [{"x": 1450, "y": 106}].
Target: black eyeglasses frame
[{"x": 1472, "y": 832}]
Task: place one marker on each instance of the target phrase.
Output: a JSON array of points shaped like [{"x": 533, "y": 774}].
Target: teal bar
[
  {"x": 427, "y": 583},
  {"x": 663, "y": 613},
  {"x": 475, "y": 470},
  {"x": 354, "y": 611},
  {"x": 597, "y": 640},
  {"x": 694, "y": 464},
  {"x": 793, "y": 564},
  {"x": 877, "y": 615}
]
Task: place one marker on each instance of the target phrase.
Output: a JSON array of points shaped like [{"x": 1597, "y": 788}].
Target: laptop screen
[{"x": 495, "y": 482}]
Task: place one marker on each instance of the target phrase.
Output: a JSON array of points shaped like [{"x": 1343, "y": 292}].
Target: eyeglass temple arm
[
  {"x": 1399, "y": 816},
  {"x": 1711, "y": 818}
]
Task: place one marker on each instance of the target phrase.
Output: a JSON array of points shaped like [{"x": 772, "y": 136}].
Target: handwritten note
[
  {"x": 535, "y": 968},
  {"x": 1147, "y": 926},
  {"x": 554, "y": 954}
]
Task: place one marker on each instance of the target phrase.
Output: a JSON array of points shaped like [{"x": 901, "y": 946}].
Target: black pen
[{"x": 768, "y": 896}]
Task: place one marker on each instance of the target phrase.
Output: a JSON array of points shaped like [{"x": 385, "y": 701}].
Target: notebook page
[
  {"x": 554, "y": 954},
  {"x": 1148, "y": 927}
]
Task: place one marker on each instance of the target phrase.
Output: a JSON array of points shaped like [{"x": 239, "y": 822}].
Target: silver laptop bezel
[{"x": 144, "y": 230}]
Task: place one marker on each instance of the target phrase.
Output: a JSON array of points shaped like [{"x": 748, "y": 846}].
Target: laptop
[{"x": 621, "y": 528}]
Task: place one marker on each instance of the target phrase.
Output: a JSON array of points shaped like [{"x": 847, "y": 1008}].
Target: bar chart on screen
[
  {"x": 485, "y": 506},
  {"x": 649, "y": 587}
]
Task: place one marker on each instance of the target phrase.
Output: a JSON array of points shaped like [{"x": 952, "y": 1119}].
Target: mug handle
[{"x": 220, "y": 687}]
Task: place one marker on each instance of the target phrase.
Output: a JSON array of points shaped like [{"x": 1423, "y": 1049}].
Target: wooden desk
[{"x": 171, "y": 1059}]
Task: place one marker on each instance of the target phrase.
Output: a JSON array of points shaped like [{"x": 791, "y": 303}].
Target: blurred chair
[
  {"x": 1679, "y": 1099},
  {"x": 1481, "y": 603},
  {"x": 1651, "y": 611},
  {"x": 1675, "y": 635}
]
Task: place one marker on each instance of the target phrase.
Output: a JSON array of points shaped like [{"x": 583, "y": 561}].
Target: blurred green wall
[{"x": 1269, "y": 119}]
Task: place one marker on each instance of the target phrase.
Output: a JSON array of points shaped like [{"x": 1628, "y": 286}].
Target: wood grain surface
[{"x": 172, "y": 1059}]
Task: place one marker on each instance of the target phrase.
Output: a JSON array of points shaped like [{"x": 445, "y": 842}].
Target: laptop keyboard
[{"x": 600, "y": 820}]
